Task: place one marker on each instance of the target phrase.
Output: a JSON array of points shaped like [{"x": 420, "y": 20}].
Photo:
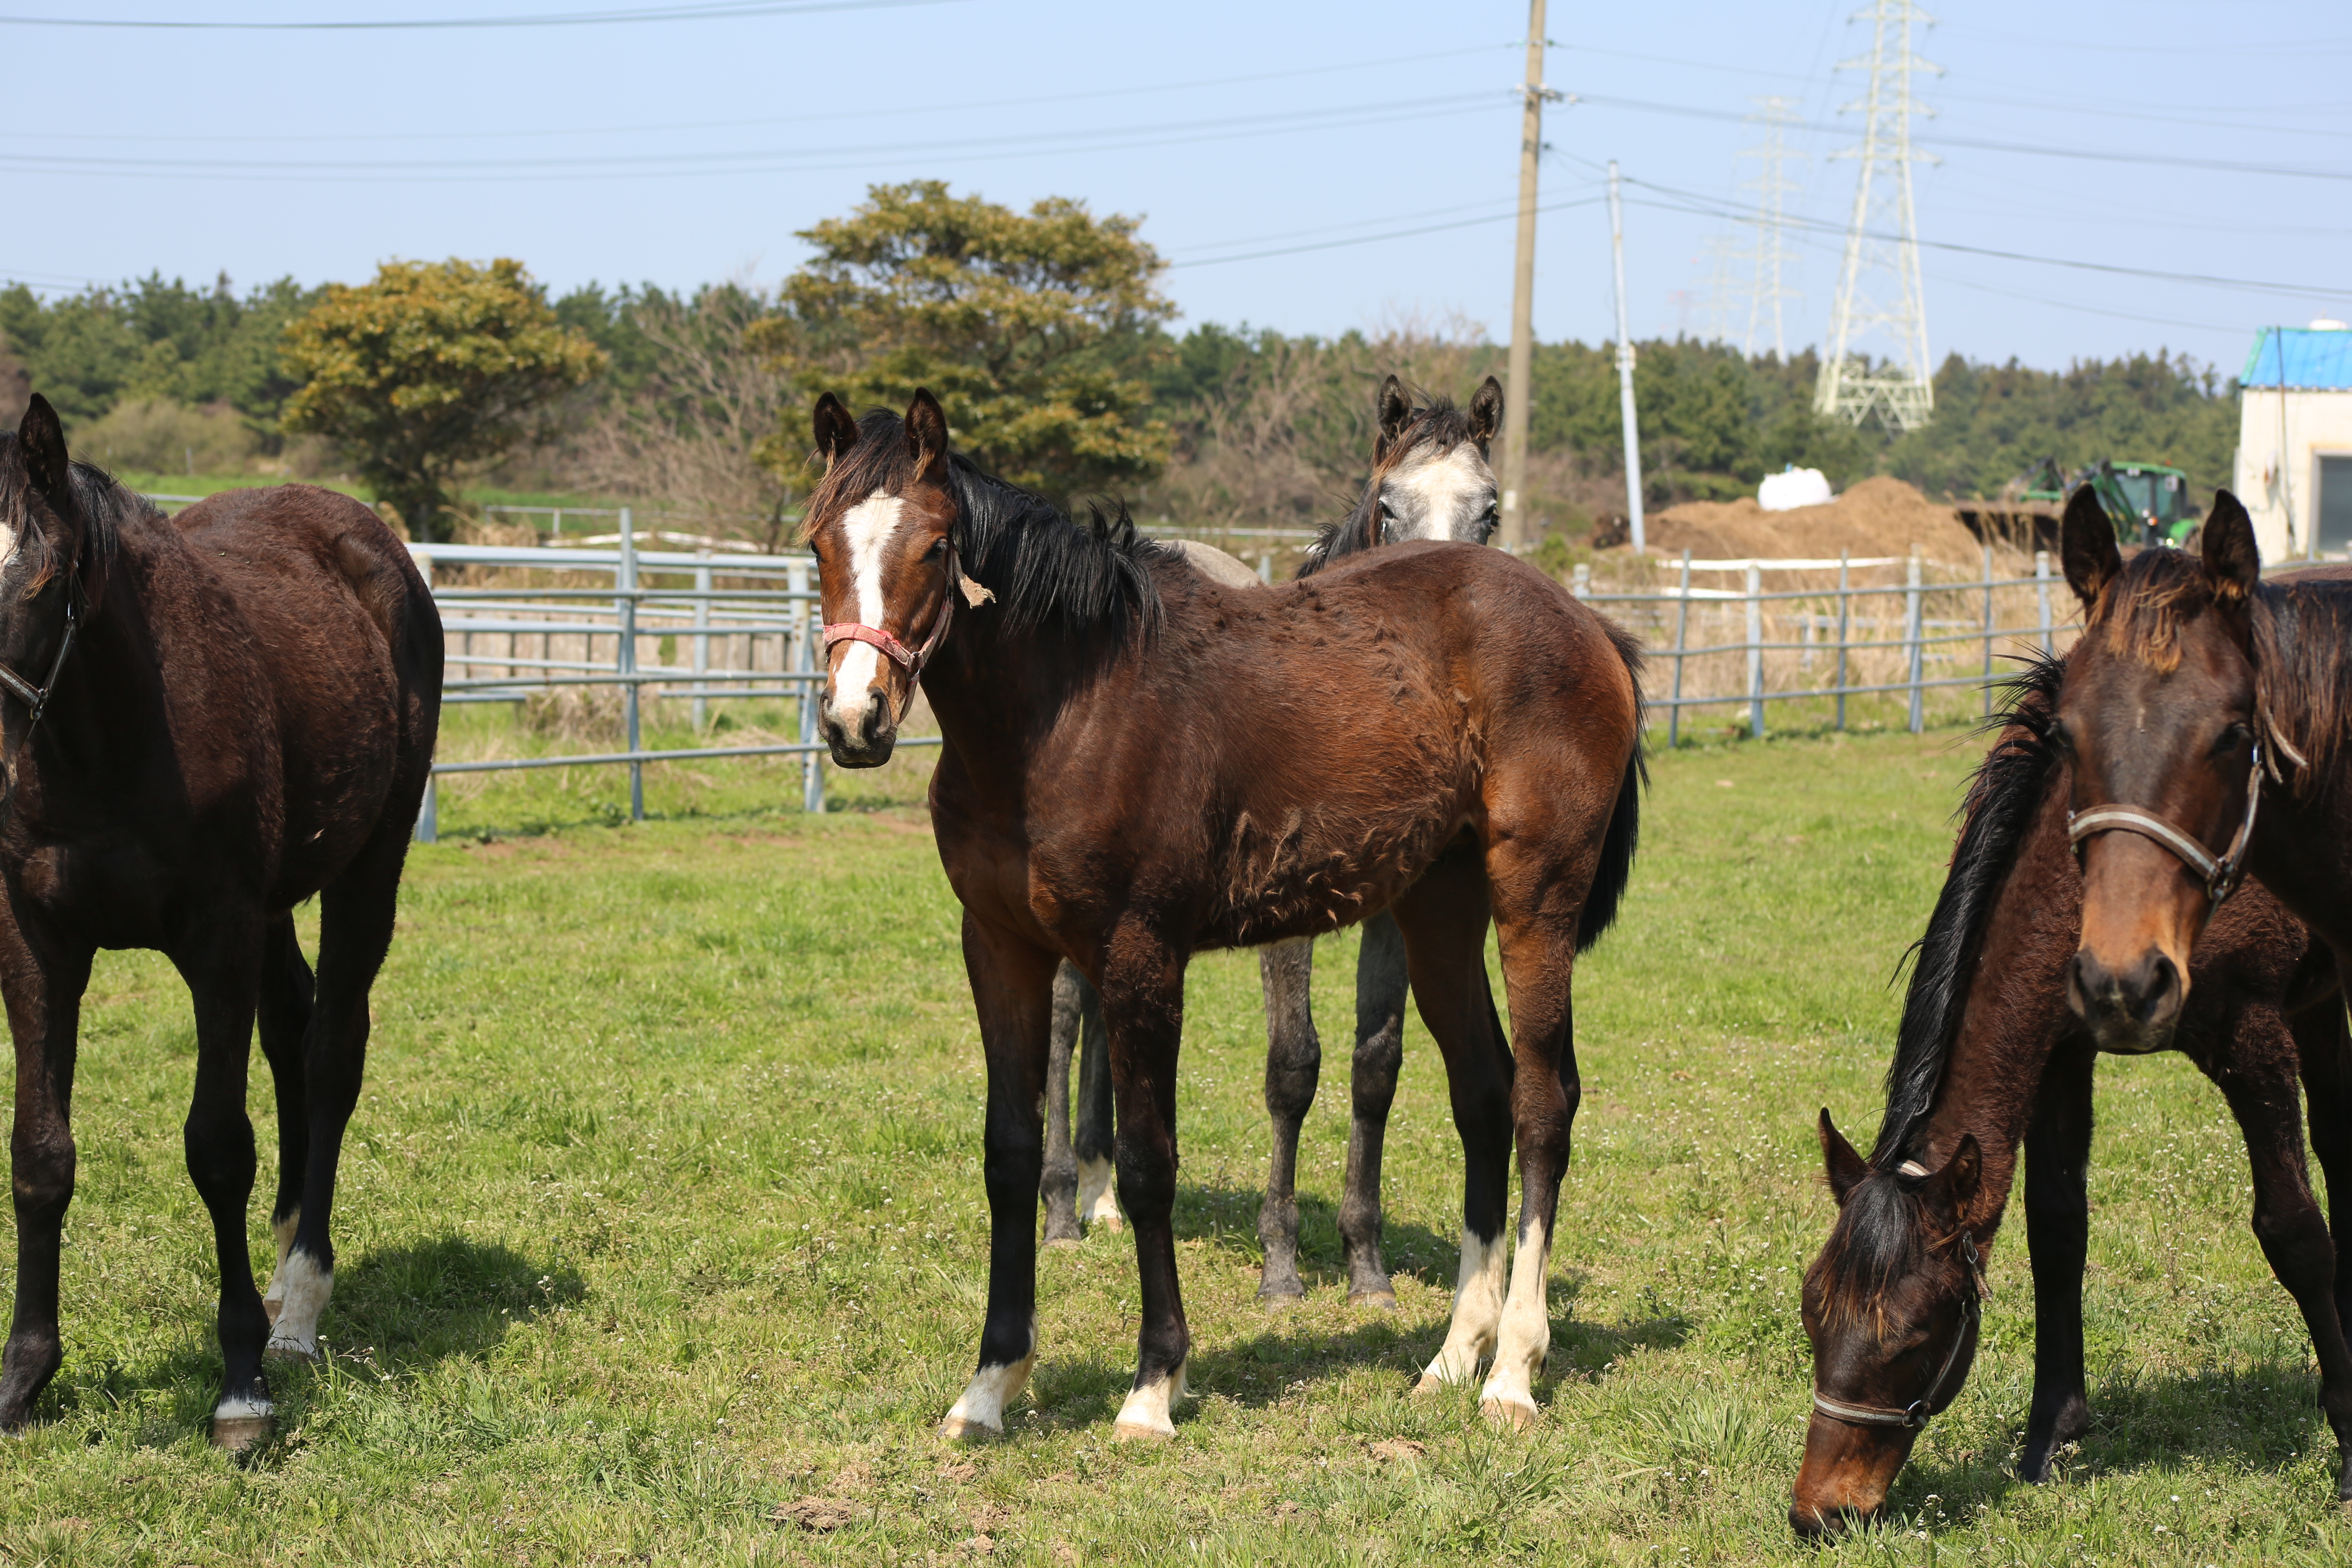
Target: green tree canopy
[
  {"x": 434, "y": 365},
  {"x": 1034, "y": 330}
]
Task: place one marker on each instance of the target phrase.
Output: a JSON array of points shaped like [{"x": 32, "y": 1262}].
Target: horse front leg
[
  {"x": 2058, "y": 1232},
  {"x": 1060, "y": 1183},
  {"x": 288, "y": 991},
  {"x": 225, "y": 980},
  {"x": 1294, "y": 1062},
  {"x": 1143, "y": 1004},
  {"x": 44, "y": 998},
  {"x": 1012, "y": 990},
  {"x": 2259, "y": 1086},
  {"x": 1380, "y": 988}
]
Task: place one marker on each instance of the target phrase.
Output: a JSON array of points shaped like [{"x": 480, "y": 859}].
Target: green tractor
[{"x": 2148, "y": 502}]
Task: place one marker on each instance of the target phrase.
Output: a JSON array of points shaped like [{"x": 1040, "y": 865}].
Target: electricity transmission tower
[
  {"x": 1771, "y": 257},
  {"x": 1878, "y": 287}
]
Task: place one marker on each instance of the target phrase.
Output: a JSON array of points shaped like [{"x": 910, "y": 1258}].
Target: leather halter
[
  {"x": 911, "y": 661},
  {"x": 36, "y": 698},
  {"x": 2221, "y": 875},
  {"x": 1930, "y": 1404}
]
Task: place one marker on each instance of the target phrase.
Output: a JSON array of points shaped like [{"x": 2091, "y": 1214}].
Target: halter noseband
[
  {"x": 36, "y": 698},
  {"x": 1914, "y": 1416},
  {"x": 2221, "y": 875},
  {"x": 912, "y": 660}
]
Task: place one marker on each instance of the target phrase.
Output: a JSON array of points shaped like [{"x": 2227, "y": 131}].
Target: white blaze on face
[
  {"x": 866, "y": 530},
  {"x": 1526, "y": 1337},
  {"x": 303, "y": 1288},
  {"x": 1478, "y": 1308},
  {"x": 1438, "y": 495}
]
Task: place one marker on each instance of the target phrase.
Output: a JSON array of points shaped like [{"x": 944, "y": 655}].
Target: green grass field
[{"x": 663, "y": 1237}]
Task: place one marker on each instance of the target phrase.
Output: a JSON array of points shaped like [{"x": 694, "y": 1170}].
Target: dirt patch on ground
[{"x": 1880, "y": 516}]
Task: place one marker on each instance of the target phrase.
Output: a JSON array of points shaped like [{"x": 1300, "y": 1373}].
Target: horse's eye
[
  {"x": 939, "y": 548},
  {"x": 2060, "y": 741},
  {"x": 2230, "y": 738}
]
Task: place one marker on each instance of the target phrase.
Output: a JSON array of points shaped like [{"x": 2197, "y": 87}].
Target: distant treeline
[{"x": 1267, "y": 427}]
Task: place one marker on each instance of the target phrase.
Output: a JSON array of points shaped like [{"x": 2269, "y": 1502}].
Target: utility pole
[
  {"x": 1879, "y": 286},
  {"x": 1519, "y": 395},
  {"x": 1625, "y": 371}
]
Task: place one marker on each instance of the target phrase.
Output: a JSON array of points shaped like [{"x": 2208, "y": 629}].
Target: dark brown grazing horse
[
  {"x": 1990, "y": 1056},
  {"x": 1139, "y": 763},
  {"x": 236, "y": 712},
  {"x": 1430, "y": 480}
]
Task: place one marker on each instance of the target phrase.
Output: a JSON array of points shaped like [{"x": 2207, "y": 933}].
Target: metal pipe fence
[{"x": 537, "y": 630}]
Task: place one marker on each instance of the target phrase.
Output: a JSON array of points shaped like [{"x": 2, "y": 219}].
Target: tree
[
  {"x": 1036, "y": 331},
  {"x": 434, "y": 365}
]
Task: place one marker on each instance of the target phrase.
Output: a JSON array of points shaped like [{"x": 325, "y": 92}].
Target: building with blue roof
[{"x": 2294, "y": 440}]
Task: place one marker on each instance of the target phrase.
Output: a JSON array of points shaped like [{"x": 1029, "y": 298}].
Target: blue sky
[{"x": 2204, "y": 137}]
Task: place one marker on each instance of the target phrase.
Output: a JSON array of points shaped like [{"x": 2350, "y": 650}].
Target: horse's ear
[
  {"x": 2233, "y": 559},
  {"x": 1955, "y": 1187},
  {"x": 1395, "y": 409},
  {"x": 2087, "y": 539},
  {"x": 1846, "y": 1168},
  {"x": 1486, "y": 412},
  {"x": 42, "y": 439},
  {"x": 836, "y": 432},
  {"x": 927, "y": 433}
]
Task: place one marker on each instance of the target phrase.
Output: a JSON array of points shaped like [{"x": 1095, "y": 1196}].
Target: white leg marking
[
  {"x": 867, "y": 528},
  {"x": 241, "y": 1421},
  {"x": 306, "y": 1289},
  {"x": 1478, "y": 1308},
  {"x": 1145, "y": 1413},
  {"x": 1526, "y": 1334},
  {"x": 273, "y": 1298},
  {"x": 981, "y": 1412},
  {"x": 1098, "y": 1203}
]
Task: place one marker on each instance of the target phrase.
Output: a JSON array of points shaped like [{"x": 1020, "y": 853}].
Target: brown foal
[
  {"x": 1139, "y": 763},
  {"x": 1990, "y": 1057}
]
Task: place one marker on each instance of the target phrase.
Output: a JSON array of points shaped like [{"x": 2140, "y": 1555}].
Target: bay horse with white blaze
[
  {"x": 1430, "y": 480},
  {"x": 1991, "y": 1057},
  {"x": 1139, "y": 763},
  {"x": 238, "y": 714}
]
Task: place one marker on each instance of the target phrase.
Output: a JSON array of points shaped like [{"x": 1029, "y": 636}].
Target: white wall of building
[{"x": 2281, "y": 437}]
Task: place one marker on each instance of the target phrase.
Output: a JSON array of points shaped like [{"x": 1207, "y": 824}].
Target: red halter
[{"x": 911, "y": 661}]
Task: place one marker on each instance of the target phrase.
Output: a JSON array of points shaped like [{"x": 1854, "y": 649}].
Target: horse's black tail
[{"x": 1626, "y": 818}]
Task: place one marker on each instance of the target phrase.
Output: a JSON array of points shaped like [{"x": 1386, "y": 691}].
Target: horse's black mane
[
  {"x": 2303, "y": 667},
  {"x": 105, "y": 506},
  {"x": 1435, "y": 421},
  {"x": 1999, "y": 810},
  {"x": 1044, "y": 568}
]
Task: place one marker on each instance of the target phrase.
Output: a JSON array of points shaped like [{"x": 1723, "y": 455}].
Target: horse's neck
[
  {"x": 997, "y": 695},
  {"x": 2015, "y": 1011}
]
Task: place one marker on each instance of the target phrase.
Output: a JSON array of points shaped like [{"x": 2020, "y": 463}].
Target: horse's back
[{"x": 348, "y": 644}]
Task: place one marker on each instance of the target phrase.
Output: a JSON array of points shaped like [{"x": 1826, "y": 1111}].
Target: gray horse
[{"x": 1430, "y": 480}]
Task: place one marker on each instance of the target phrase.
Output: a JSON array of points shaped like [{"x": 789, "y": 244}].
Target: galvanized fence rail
[{"x": 594, "y": 637}]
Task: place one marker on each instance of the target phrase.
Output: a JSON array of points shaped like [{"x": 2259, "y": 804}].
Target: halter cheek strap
[
  {"x": 2221, "y": 874},
  {"x": 912, "y": 660},
  {"x": 36, "y": 698},
  {"x": 1920, "y": 1411}
]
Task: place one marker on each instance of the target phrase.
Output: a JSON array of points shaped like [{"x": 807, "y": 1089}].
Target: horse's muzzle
[
  {"x": 2129, "y": 1008},
  {"x": 861, "y": 739}
]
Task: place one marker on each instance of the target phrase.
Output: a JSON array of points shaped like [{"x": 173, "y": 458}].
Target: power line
[
  {"x": 1376, "y": 238},
  {"x": 718, "y": 11}
]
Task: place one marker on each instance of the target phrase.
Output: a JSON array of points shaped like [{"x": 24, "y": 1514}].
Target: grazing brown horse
[
  {"x": 235, "y": 713},
  {"x": 1430, "y": 480},
  {"x": 1139, "y": 763},
  {"x": 1989, "y": 1056}
]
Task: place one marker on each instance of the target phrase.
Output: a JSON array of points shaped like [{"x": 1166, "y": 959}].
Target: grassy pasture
[{"x": 663, "y": 1237}]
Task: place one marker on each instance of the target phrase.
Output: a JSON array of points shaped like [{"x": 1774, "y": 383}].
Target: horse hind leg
[
  {"x": 1380, "y": 988},
  {"x": 355, "y": 921},
  {"x": 1095, "y": 1140},
  {"x": 1443, "y": 922},
  {"x": 1294, "y": 1062},
  {"x": 1060, "y": 1183},
  {"x": 287, "y": 988},
  {"x": 225, "y": 981}
]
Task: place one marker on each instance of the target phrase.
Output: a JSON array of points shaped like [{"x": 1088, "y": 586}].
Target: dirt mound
[{"x": 1880, "y": 516}]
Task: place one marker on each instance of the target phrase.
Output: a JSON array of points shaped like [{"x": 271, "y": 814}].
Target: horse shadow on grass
[
  {"x": 2263, "y": 1417},
  {"x": 396, "y": 1308},
  {"x": 1227, "y": 1219}
]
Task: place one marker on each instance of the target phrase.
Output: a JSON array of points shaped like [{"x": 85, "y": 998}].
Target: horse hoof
[
  {"x": 1426, "y": 1388},
  {"x": 1137, "y": 1432},
  {"x": 236, "y": 1434},
  {"x": 289, "y": 1350},
  {"x": 1275, "y": 1294},
  {"x": 1509, "y": 1412},
  {"x": 957, "y": 1429},
  {"x": 1064, "y": 1243},
  {"x": 1384, "y": 1300},
  {"x": 1111, "y": 1223}
]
